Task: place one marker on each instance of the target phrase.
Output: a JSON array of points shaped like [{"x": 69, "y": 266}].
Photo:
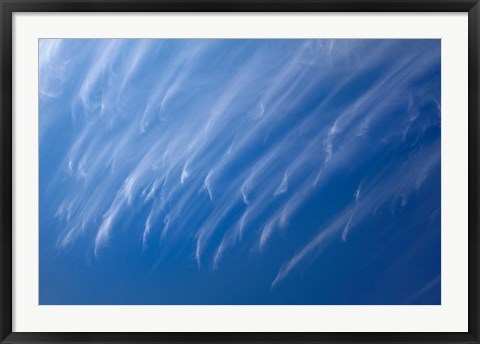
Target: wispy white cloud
[
  {"x": 424, "y": 290},
  {"x": 193, "y": 143},
  {"x": 403, "y": 181},
  {"x": 53, "y": 63}
]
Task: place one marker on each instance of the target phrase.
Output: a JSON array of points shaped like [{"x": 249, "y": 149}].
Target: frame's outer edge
[
  {"x": 6, "y": 173},
  {"x": 474, "y": 171},
  {"x": 7, "y": 7},
  {"x": 241, "y": 5}
]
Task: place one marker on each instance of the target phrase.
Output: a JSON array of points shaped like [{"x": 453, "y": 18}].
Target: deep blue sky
[{"x": 239, "y": 171}]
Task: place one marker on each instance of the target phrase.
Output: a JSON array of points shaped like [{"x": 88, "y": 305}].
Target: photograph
[{"x": 231, "y": 171}]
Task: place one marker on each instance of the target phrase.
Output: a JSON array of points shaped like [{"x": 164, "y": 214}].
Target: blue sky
[{"x": 239, "y": 172}]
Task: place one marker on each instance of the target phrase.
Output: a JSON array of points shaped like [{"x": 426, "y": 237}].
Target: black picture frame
[{"x": 8, "y": 7}]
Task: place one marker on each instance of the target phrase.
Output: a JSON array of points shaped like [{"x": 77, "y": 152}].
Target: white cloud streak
[{"x": 193, "y": 143}]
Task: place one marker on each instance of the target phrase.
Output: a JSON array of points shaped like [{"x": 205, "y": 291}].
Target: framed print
[{"x": 239, "y": 171}]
